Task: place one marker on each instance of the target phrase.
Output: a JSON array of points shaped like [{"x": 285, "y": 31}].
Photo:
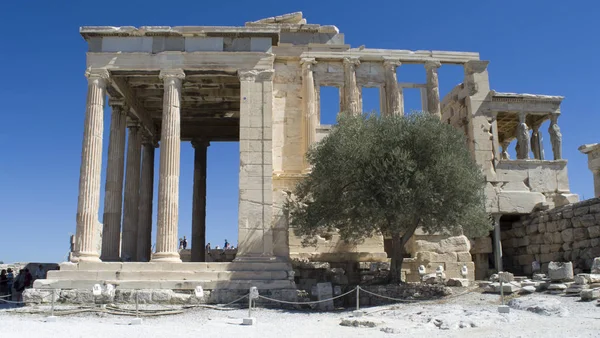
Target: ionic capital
[
  {"x": 307, "y": 63},
  {"x": 99, "y": 76},
  {"x": 432, "y": 64},
  {"x": 200, "y": 142},
  {"x": 255, "y": 75},
  {"x": 148, "y": 139},
  {"x": 172, "y": 74},
  {"x": 391, "y": 63},
  {"x": 351, "y": 61},
  {"x": 476, "y": 66}
]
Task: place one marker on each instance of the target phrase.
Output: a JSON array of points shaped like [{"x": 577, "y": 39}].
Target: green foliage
[{"x": 390, "y": 175}]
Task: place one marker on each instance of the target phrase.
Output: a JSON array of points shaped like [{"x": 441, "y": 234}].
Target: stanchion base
[
  {"x": 50, "y": 319},
  {"x": 504, "y": 309},
  {"x": 136, "y": 321},
  {"x": 358, "y": 313},
  {"x": 249, "y": 321}
]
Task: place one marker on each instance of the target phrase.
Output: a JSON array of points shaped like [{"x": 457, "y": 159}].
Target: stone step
[
  {"x": 164, "y": 266},
  {"x": 167, "y": 284},
  {"x": 125, "y": 275}
]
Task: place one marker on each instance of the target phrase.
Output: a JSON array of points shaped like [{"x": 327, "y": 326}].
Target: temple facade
[{"x": 260, "y": 85}]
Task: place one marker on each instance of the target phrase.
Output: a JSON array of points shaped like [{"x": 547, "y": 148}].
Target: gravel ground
[{"x": 472, "y": 314}]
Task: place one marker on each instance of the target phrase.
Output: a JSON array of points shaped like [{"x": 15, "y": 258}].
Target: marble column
[
  {"x": 497, "y": 242},
  {"x": 433, "y": 88},
  {"x": 144, "y": 235},
  {"x": 522, "y": 138},
  {"x": 309, "y": 109},
  {"x": 351, "y": 91},
  {"x": 88, "y": 201},
  {"x": 168, "y": 184},
  {"x": 255, "y": 216},
  {"x": 199, "y": 201},
  {"x": 132, "y": 194},
  {"x": 113, "y": 190},
  {"x": 394, "y": 103},
  {"x": 537, "y": 146},
  {"x": 555, "y": 137}
]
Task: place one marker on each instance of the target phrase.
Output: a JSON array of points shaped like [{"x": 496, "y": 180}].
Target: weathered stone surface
[
  {"x": 567, "y": 235},
  {"x": 459, "y": 282},
  {"x": 325, "y": 291},
  {"x": 528, "y": 289},
  {"x": 590, "y": 294},
  {"x": 547, "y": 307},
  {"x": 559, "y": 271},
  {"x": 596, "y": 265}
]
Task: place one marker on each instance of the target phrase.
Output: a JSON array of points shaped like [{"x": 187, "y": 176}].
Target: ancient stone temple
[{"x": 260, "y": 85}]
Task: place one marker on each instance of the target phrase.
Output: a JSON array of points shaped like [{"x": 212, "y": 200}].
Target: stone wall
[{"x": 568, "y": 233}]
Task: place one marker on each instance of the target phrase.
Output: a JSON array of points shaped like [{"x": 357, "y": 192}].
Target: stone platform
[{"x": 171, "y": 276}]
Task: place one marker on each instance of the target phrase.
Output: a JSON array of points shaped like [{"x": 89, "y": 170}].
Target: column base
[
  {"x": 256, "y": 258},
  {"x": 81, "y": 256},
  {"x": 166, "y": 257}
]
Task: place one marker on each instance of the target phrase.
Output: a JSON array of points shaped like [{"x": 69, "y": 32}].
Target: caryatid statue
[
  {"x": 555, "y": 137},
  {"x": 522, "y": 139}
]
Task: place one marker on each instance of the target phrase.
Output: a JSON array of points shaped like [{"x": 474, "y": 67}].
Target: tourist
[
  {"x": 208, "y": 247},
  {"x": 28, "y": 280},
  {"x": 3, "y": 284},
  {"x": 39, "y": 273},
  {"x": 226, "y": 246},
  {"x": 180, "y": 243},
  {"x": 10, "y": 278},
  {"x": 184, "y": 243}
]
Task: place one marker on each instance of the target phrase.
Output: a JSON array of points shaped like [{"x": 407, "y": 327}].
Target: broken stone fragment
[
  {"x": 560, "y": 271},
  {"x": 590, "y": 294}
]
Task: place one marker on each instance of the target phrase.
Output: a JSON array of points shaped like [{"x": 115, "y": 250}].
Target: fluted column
[
  {"x": 132, "y": 194},
  {"x": 113, "y": 189},
  {"x": 144, "y": 234},
  {"x": 522, "y": 138},
  {"x": 199, "y": 201},
  {"x": 394, "y": 105},
  {"x": 309, "y": 109},
  {"x": 555, "y": 137},
  {"x": 168, "y": 184},
  {"x": 88, "y": 201},
  {"x": 433, "y": 88},
  {"x": 351, "y": 91}
]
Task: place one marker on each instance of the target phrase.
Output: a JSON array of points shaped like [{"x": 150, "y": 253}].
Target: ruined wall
[{"x": 568, "y": 233}]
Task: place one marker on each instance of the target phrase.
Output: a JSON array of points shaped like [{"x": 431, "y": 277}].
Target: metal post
[
  {"x": 357, "y": 298},
  {"x": 249, "y": 307},
  {"x": 52, "y": 306},
  {"x": 136, "y": 304},
  {"x": 502, "y": 291}
]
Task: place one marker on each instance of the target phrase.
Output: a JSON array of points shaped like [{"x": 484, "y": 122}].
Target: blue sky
[{"x": 534, "y": 47}]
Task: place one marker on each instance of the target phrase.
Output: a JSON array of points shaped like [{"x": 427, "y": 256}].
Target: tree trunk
[
  {"x": 398, "y": 250},
  {"x": 397, "y": 258}
]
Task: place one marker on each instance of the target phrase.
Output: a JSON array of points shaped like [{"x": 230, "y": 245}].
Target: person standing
[
  {"x": 184, "y": 243},
  {"x": 39, "y": 273},
  {"x": 3, "y": 284},
  {"x": 10, "y": 278}
]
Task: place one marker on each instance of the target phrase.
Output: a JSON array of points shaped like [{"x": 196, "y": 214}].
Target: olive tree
[{"x": 389, "y": 175}]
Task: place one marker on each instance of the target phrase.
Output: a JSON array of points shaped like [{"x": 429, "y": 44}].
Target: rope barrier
[
  {"x": 390, "y": 298},
  {"x": 306, "y": 303}
]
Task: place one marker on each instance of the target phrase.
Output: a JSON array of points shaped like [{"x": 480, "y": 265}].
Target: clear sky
[{"x": 534, "y": 47}]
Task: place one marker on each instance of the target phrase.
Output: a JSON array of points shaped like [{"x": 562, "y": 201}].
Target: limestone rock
[
  {"x": 37, "y": 296},
  {"x": 546, "y": 307},
  {"x": 590, "y": 294},
  {"x": 581, "y": 280},
  {"x": 559, "y": 271},
  {"x": 596, "y": 265},
  {"x": 460, "y": 282},
  {"x": 557, "y": 288},
  {"x": 528, "y": 289},
  {"x": 575, "y": 289},
  {"x": 539, "y": 276}
]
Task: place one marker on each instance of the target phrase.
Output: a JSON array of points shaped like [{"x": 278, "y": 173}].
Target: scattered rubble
[{"x": 547, "y": 307}]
